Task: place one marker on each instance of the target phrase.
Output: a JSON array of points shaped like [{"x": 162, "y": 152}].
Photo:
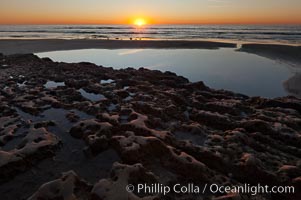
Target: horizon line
[{"x": 150, "y": 24}]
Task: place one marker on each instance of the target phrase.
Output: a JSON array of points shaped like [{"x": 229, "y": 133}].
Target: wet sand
[
  {"x": 35, "y": 46},
  {"x": 286, "y": 53},
  {"x": 292, "y": 85}
]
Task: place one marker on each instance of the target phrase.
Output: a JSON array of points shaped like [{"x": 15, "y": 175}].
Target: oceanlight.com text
[{"x": 209, "y": 188}]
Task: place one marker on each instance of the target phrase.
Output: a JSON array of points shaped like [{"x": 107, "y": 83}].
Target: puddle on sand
[
  {"x": 53, "y": 84},
  {"x": 194, "y": 138},
  {"x": 70, "y": 156},
  {"x": 91, "y": 96}
]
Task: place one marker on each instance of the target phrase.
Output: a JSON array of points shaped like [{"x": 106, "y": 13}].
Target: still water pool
[{"x": 224, "y": 68}]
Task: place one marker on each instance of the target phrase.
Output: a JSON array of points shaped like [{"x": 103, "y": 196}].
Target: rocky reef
[{"x": 81, "y": 131}]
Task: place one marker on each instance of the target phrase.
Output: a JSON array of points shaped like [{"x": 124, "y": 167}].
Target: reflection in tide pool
[
  {"x": 293, "y": 85},
  {"x": 91, "y": 96},
  {"x": 220, "y": 69},
  {"x": 53, "y": 84},
  {"x": 107, "y": 81}
]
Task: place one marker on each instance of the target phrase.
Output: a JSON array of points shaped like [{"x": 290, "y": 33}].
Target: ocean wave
[
  {"x": 285, "y": 33},
  {"x": 154, "y": 32}
]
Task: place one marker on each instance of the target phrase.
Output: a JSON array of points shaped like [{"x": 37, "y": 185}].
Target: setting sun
[{"x": 139, "y": 22}]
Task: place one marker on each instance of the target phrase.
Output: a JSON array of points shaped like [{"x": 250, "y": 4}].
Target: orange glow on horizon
[
  {"x": 150, "y": 12},
  {"x": 140, "y": 22}
]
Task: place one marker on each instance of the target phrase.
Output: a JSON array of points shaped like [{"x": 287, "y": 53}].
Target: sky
[{"x": 153, "y": 11}]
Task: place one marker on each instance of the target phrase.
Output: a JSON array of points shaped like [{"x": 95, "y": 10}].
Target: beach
[
  {"x": 150, "y": 100},
  {"x": 87, "y": 131},
  {"x": 90, "y": 131},
  {"x": 286, "y": 53},
  {"x": 44, "y": 45}
]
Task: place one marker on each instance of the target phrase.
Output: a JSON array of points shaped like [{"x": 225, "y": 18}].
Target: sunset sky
[{"x": 153, "y": 11}]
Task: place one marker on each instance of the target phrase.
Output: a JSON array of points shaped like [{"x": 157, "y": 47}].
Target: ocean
[{"x": 287, "y": 34}]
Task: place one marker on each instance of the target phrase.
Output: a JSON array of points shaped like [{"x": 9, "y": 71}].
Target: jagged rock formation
[{"x": 157, "y": 128}]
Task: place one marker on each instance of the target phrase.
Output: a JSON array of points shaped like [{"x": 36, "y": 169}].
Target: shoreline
[
  {"x": 15, "y": 46},
  {"x": 287, "y": 53}
]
